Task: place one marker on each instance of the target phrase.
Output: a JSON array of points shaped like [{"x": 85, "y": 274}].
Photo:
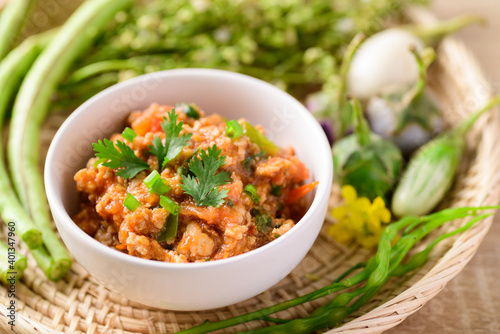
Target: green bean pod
[
  {"x": 12, "y": 264},
  {"x": 432, "y": 170},
  {"x": 11, "y": 23},
  {"x": 12, "y": 70},
  {"x": 32, "y": 105}
]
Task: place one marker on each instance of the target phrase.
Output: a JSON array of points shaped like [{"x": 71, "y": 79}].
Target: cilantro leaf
[
  {"x": 203, "y": 186},
  {"x": 173, "y": 143},
  {"x": 262, "y": 221},
  {"x": 120, "y": 156}
]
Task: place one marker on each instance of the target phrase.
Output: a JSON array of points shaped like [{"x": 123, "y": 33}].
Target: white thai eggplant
[
  {"x": 383, "y": 63},
  {"x": 409, "y": 117},
  {"x": 390, "y": 80},
  {"x": 432, "y": 170}
]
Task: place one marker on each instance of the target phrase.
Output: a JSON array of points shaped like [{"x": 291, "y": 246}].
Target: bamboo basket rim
[{"x": 79, "y": 305}]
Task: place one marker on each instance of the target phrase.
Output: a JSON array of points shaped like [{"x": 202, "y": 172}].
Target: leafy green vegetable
[
  {"x": 122, "y": 157},
  {"x": 203, "y": 187},
  {"x": 173, "y": 143},
  {"x": 169, "y": 230}
]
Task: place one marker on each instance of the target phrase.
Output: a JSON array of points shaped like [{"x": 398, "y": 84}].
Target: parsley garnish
[
  {"x": 119, "y": 156},
  {"x": 173, "y": 143},
  {"x": 203, "y": 187}
]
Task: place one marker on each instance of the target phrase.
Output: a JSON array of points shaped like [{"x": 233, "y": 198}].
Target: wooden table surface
[{"x": 470, "y": 303}]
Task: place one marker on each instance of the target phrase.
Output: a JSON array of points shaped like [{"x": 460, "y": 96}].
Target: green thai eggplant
[
  {"x": 432, "y": 170},
  {"x": 365, "y": 160}
]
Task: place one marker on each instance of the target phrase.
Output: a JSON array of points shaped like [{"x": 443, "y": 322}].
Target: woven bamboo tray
[{"x": 79, "y": 304}]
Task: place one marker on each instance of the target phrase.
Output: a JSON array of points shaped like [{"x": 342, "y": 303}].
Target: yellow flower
[{"x": 359, "y": 220}]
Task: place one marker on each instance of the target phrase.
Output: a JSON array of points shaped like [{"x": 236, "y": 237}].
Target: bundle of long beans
[{"x": 295, "y": 43}]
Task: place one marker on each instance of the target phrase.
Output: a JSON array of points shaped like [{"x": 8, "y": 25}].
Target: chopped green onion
[
  {"x": 234, "y": 129},
  {"x": 99, "y": 161},
  {"x": 170, "y": 205},
  {"x": 169, "y": 230},
  {"x": 252, "y": 192},
  {"x": 156, "y": 185},
  {"x": 151, "y": 179},
  {"x": 189, "y": 110},
  {"x": 276, "y": 190},
  {"x": 160, "y": 187},
  {"x": 131, "y": 202},
  {"x": 128, "y": 134}
]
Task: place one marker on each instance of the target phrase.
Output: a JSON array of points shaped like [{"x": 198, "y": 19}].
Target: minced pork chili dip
[{"x": 179, "y": 186}]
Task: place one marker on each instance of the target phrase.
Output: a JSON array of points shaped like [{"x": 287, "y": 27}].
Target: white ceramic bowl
[{"x": 189, "y": 286}]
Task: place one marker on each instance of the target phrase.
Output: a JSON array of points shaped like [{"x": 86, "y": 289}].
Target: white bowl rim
[{"x": 323, "y": 188}]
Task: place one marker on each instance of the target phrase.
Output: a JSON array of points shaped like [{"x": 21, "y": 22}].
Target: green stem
[
  {"x": 466, "y": 125},
  {"x": 419, "y": 259},
  {"x": 454, "y": 213},
  {"x": 31, "y": 107},
  {"x": 433, "y": 33},
  {"x": 349, "y": 271},
  {"x": 361, "y": 127},
  {"x": 12, "y": 21},
  {"x": 342, "y": 117},
  {"x": 423, "y": 64}
]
